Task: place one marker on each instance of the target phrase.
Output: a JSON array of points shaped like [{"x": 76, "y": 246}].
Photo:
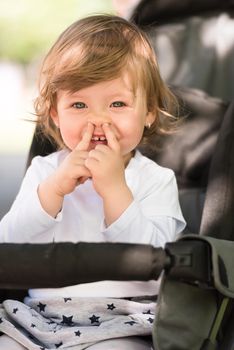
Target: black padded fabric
[
  {"x": 189, "y": 151},
  {"x": 218, "y": 213},
  {"x": 192, "y": 203},
  {"x": 158, "y": 11},
  {"x": 40, "y": 146}
]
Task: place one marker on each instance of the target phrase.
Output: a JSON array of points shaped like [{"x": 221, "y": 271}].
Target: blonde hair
[{"x": 99, "y": 48}]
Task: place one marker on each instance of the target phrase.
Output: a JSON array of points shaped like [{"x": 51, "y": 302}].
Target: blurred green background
[
  {"x": 27, "y": 30},
  {"x": 28, "y": 27}
]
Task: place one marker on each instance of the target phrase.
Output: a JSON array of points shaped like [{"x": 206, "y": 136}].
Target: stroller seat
[{"x": 209, "y": 142}]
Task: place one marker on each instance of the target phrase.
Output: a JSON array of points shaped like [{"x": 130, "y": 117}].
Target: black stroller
[{"x": 195, "y": 306}]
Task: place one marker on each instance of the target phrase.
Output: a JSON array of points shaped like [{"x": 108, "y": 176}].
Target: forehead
[{"x": 122, "y": 85}]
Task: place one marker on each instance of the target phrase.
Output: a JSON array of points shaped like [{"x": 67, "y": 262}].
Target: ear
[
  {"x": 54, "y": 116},
  {"x": 150, "y": 118}
]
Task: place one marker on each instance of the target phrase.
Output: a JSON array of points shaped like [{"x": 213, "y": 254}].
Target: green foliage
[{"x": 29, "y": 27}]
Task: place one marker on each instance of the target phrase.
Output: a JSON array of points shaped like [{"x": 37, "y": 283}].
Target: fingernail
[{"x": 107, "y": 124}]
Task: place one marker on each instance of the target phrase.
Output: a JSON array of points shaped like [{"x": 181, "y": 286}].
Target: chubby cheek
[
  {"x": 131, "y": 135},
  {"x": 70, "y": 135}
]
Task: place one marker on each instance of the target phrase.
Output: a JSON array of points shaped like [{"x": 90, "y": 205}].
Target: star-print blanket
[{"x": 74, "y": 323}]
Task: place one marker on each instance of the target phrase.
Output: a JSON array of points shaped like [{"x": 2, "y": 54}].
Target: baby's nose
[{"x": 99, "y": 119}]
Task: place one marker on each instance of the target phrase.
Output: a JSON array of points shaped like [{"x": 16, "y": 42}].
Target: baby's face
[{"x": 112, "y": 102}]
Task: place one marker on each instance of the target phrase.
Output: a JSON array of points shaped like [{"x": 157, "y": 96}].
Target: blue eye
[
  {"x": 79, "y": 105},
  {"x": 118, "y": 104}
]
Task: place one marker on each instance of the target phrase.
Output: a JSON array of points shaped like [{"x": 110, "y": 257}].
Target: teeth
[{"x": 97, "y": 138}]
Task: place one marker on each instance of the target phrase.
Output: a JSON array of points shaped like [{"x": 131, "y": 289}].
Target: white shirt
[{"x": 154, "y": 217}]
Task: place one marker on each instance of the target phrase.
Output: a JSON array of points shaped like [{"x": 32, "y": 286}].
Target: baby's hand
[
  {"x": 73, "y": 171},
  {"x": 106, "y": 165}
]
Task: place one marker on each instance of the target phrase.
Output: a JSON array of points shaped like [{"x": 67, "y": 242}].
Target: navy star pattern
[
  {"x": 147, "y": 312},
  {"x": 41, "y": 306},
  {"x": 67, "y": 299},
  {"x": 131, "y": 323},
  {"x": 150, "y": 319},
  {"x": 78, "y": 333},
  {"x": 94, "y": 319},
  {"x": 58, "y": 345},
  {"x": 67, "y": 321},
  {"x": 111, "y": 306}
]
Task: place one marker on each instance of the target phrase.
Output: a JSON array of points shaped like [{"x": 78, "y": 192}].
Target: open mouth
[{"x": 99, "y": 138}]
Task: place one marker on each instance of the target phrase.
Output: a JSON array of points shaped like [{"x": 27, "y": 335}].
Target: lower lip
[{"x": 98, "y": 142}]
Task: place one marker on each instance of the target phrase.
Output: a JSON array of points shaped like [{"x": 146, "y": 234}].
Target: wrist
[
  {"x": 115, "y": 202},
  {"x": 114, "y": 191},
  {"x": 51, "y": 201}
]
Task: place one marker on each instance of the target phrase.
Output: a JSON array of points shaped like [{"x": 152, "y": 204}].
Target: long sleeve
[
  {"x": 26, "y": 218},
  {"x": 134, "y": 227},
  {"x": 154, "y": 217}
]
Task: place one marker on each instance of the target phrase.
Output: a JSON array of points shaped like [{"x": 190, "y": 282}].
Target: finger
[
  {"x": 86, "y": 138},
  {"x": 111, "y": 138},
  {"x": 82, "y": 171},
  {"x": 79, "y": 155},
  {"x": 98, "y": 152},
  {"x": 82, "y": 180},
  {"x": 90, "y": 163},
  {"x": 80, "y": 160}
]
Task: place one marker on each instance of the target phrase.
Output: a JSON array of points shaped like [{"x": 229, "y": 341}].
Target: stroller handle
[{"x": 54, "y": 265}]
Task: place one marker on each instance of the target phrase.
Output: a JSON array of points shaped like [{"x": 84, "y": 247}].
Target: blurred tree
[{"x": 28, "y": 27}]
